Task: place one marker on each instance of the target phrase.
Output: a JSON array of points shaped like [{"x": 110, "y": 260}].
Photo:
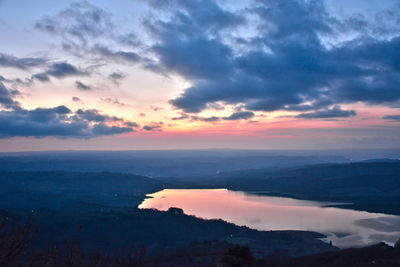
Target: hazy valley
[{"x": 99, "y": 209}]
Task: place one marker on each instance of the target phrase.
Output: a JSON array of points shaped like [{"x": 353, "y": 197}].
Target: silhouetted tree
[{"x": 14, "y": 242}]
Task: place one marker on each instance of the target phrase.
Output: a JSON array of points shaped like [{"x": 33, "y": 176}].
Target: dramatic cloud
[
  {"x": 272, "y": 55},
  {"x": 190, "y": 30},
  {"x": 205, "y": 63},
  {"x": 59, "y": 70},
  {"x": 334, "y": 112},
  {"x": 58, "y": 122},
  {"x": 81, "y": 86},
  {"x": 28, "y": 123},
  {"x": 286, "y": 64},
  {"x": 21, "y": 63}
]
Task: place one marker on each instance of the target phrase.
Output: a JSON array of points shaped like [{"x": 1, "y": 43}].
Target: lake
[{"x": 344, "y": 227}]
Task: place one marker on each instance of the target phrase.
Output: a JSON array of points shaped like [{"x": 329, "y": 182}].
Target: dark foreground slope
[
  {"x": 206, "y": 253},
  {"x": 110, "y": 229},
  {"x": 371, "y": 186},
  {"x": 98, "y": 210},
  {"x": 380, "y": 255}
]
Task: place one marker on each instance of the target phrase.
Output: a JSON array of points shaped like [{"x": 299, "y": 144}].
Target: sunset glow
[{"x": 142, "y": 79}]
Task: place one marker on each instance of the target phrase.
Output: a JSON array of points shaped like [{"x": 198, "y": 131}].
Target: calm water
[{"x": 344, "y": 227}]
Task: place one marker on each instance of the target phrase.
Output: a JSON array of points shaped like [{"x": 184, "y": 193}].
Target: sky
[{"x": 199, "y": 74}]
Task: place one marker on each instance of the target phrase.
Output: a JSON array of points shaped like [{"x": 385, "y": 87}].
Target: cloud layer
[
  {"x": 285, "y": 65},
  {"x": 249, "y": 59},
  {"x": 294, "y": 57},
  {"x": 59, "y": 121},
  {"x": 21, "y": 63}
]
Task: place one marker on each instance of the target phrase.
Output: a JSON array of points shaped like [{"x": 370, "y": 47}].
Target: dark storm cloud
[
  {"x": 392, "y": 117},
  {"x": 59, "y": 70},
  {"x": 21, "y": 63},
  {"x": 81, "y": 86},
  {"x": 286, "y": 66},
  {"x": 335, "y": 112}
]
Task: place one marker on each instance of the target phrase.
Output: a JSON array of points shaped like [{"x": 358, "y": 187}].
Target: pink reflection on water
[{"x": 342, "y": 226}]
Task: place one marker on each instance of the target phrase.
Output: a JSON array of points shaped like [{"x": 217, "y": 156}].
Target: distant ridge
[
  {"x": 381, "y": 160},
  {"x": 371, "y": 185}
]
